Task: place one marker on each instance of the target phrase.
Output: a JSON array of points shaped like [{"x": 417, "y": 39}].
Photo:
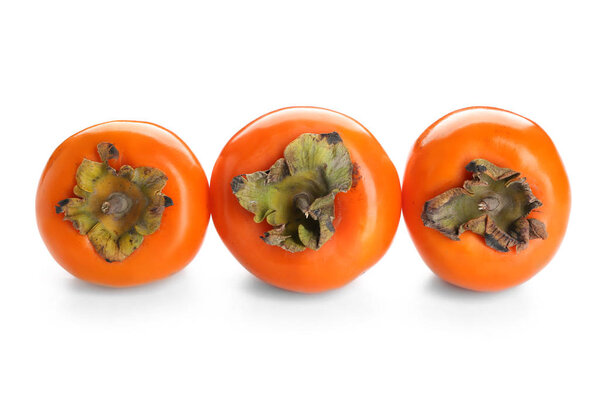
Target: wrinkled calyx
[
  {"x": 296, "y": 195},
  {"x": 115, "y": 209},
  {"x": 494, "y": 204}
]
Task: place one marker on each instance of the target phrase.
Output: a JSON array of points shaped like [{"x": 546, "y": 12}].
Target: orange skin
[
  {"x": 183, "y": 225},
  {"x": 437, "y": 163},
  {"x": 366, "y": 217}
]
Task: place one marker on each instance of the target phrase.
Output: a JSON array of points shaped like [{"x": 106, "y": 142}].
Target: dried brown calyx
[
  {"x": 296, "y": 195},
  {"x": 115, "y": 209},
  {"x": 494, "y": 204}
]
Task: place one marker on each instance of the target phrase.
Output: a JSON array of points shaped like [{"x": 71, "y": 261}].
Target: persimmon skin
[
  {"x": 183, "y": 225},
  {"x": 366, "y": 217},
  {"x": 437, "y": 163}
]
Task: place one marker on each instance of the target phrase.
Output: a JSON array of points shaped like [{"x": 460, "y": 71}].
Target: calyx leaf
[
  {"x": 494, "y": 204},
  {"x": 115, "y": 210},
  {"x": 296, "y": 195}
]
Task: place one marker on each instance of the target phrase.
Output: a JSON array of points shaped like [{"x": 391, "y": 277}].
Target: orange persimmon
[
  {"x": 123, "y": 203},
  {"x": 486, "y": 198},
  {"x": 325, "y": 197}
]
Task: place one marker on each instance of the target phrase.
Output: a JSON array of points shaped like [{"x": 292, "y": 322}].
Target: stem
[
  {"x": 488, "y": 204},
  {"x": 303, "y": 201},
  {"x": 116, "y": 204}
]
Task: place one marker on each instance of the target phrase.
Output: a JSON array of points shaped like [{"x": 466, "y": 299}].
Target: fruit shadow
[
  {"x": 260, "y": 289},
  {"x": 346, "y": 305},
  {"x": 87, "y": 300},
  {"x": 446, "y": 303}
]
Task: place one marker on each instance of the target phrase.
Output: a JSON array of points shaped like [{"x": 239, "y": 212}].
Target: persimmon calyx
[
  {"x": 296, "y": 195},
  {"x": 115, "y": 210},
  {"x": 494, "y": 204}
]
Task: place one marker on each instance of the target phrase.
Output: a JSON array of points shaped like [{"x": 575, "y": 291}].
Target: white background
[{"x": 213, "y": 331}]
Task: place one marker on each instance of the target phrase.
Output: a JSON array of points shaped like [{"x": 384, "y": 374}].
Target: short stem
[
  {"x": 116, "y": 203},
  {"x": 302, "y": 201},
  {"x": 488, "y": 204}
]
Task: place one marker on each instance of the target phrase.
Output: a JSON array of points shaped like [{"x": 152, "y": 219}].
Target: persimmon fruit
[
  {"x": 123, "y": 203},
  {"x": 305, "y": 198},
  {"x": 486, "y": 198}
]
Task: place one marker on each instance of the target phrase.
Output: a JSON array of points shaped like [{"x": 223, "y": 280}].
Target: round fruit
[
  {"x": 486, "y": 198},
  {"x": 123, "y": 203},
  {"x": 305, "y": 198}
]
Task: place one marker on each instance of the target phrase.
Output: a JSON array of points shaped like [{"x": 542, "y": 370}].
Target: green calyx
[
  {"x": 494, "y": 204},
  {"x": 296, "y": 195},
  {"x": 115, "y": 209}
]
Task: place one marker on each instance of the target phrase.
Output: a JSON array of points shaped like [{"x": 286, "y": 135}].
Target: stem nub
[
  {"x": 488, "y": 204},
  {"x": 302, "y": 201},
  {"x": 116, "y": 204}
]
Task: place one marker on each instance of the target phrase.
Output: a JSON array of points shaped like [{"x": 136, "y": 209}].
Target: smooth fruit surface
[
  {"x": 366, "y": 216},
  {"x": 183, "y": 225},
  {"x": 437, "y": 163}
]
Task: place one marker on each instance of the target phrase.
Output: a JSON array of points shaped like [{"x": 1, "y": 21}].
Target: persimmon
[
  {"x": 123, "y": 203},
  {"x": 486, "y": 198},
  {"x": 305, "y": 198}
]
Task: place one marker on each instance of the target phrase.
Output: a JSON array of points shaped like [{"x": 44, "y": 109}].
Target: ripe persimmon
[
  {"x": 486, "y": 198},
  {"x": 325, "y": 197},
  {"x": 123, "y": 203}
]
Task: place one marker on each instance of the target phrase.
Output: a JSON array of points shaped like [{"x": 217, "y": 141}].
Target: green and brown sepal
[
  {"x": 494, "y": 204},
  {"x": 296, "y": 195},
  {"x": 115, "y": 209}
]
